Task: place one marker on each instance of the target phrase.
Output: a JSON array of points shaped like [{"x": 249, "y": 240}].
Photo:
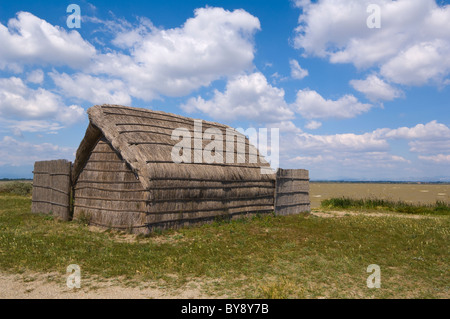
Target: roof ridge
[{"x": 163, "y": 113}]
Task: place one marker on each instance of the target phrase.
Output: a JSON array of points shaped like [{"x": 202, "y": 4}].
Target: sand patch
[{"x": 53, "y": 286}]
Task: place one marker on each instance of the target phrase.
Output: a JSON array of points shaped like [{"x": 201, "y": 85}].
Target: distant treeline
[{"x": 15, "y": 179}]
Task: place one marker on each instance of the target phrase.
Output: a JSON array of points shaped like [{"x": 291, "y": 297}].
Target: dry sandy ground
[
  {"x": 53, "y": 286},
  {"x": 328, "y": 214},
  {"x": 411, "y": 193}
]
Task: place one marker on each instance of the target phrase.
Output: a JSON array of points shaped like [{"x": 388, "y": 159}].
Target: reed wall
[
  {"x": 292, "y": 192},
  {"x": 51, "y": 188},
  {"x": 107, "y": 193}
]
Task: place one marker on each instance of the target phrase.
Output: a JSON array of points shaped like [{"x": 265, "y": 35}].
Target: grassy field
[
  {"x": 369, "y": 205},
  {"x": 409, "y": 193},
  {"x": 23, "y": 188},
  {"x": 265, "y": 257}
]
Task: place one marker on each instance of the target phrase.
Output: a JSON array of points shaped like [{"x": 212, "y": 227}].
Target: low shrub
[
  {"x": 16, "y": 188},
  {"x": 439, "y": 208}
]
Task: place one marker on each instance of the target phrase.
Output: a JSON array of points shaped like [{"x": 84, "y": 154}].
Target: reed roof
[{"x": 143, "y": 138}]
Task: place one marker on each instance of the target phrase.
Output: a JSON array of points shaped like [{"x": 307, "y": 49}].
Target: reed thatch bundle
[
  {"x": 292, "y": 191},
  {"x": 124, "y": 175},
  {"x": 51, "y": 188}
]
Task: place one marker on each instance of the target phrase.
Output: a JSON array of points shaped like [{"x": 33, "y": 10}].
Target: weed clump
[
  {"x": 439, "y": 208},
  {"x": 16, "y": 188}
]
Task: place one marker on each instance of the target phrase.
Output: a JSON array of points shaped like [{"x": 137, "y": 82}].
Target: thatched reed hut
[{"x": 124, "y": 176}]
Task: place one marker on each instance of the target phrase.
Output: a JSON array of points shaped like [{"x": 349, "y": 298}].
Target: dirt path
[
  {"x": 53, "y": 286},
  {"x": 332, "y": 213}
]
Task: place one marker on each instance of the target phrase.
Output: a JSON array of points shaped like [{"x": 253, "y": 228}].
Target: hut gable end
[{"x": 108, "y": 192}]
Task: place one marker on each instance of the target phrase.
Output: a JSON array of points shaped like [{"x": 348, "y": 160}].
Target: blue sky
[{"x": 351, "y": 102}]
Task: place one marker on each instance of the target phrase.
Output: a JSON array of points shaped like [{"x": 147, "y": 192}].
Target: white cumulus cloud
[
  {"x": 428, "y": 60},
  {"x": 28, "y": 39},
  {"x": 440, "y": 158},
  {"x": 215, "y": 43},
  {"x": 313, "y": 125},
  {"x": 412, "y": 47},
  {"x": 311, "y": 104},
  {"x": 151, "y": 62},
  {"x": 432, "y": 130},
  {"x": 18, "y": 153},
  {"x": 375, "y": 89},
  {"x": 347, "y": 142},
  {"x": 19, "y": 101},
  {"x": 36, "y": 76},
  {"x": 296, "y": 70},
  {"x": 248, "y": 97},
  {"x": 93, "y": 89}
]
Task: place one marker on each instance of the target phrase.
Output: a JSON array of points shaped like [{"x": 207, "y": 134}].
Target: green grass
[
  {"x": 264, "y": 257},
  {"x": 439, "y": 208},
  {"x": 16, "y": 188}
]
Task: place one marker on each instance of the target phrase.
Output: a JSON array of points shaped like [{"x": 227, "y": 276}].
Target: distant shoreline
[
  {"x": 379, "y": 182},
  {"x": 312, "y": 181}
]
